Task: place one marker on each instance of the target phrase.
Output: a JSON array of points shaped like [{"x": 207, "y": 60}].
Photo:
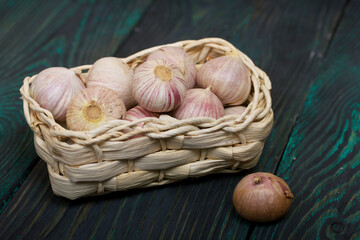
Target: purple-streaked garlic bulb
[
  {"x": 113, "y": 73},
  {"x": 53, "y": 88},
  {"x": 93, "y": 107},
  {"x": 237, "y": 110},
  {"x": 228, "y": 77},
  {"x": 158, "y": 85},
  {"x": 199, "y": 102},
  {"x": 179, "y": 57},
  {"x": 138, "y": 112}
]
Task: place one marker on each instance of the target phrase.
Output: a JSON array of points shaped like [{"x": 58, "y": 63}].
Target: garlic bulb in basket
[
  {"x": 199, "y": 102},
  {"x": 228, "y": 77},
  {"x": 93, "y": 107},
  {"x": 113, "y": 73},
  {"x": 235, "y": 110},
  {"x": 54, "y": 87},
  {"x": 158, "y": 85},
  {"x": 179, "y": 57},
  {"x": 138, "y": 112}
]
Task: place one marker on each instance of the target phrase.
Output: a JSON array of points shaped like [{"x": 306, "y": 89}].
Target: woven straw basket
[{"x": 106, "y": 159}]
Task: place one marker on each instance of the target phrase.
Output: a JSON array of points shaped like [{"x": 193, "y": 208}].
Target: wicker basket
[{"x": 106, "y": 159}]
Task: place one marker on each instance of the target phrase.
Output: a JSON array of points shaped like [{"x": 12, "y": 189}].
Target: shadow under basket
[{"x": 106, "y": 159}]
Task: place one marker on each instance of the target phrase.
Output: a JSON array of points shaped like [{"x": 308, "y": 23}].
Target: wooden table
[{"x": 311, "y": 52}]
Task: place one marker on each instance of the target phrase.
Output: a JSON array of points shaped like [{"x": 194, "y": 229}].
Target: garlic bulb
[
  {"x": 179, "y": 57},
  {"x": 262, "y": 197},
  {"x": 228, "y": 77},
  {"x": 138, "y": 112},
  {"x": 113, "y": 73},
  {"x": 92, "y": 107},
  {"x": 54, "y": 87},
  {"x": 235, "y": 110},
  {"x": 199, "y": 102},
  {"x": 158, "y": 85}
]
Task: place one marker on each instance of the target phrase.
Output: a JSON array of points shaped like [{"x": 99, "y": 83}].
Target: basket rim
[{"x": 230, "y": 123}]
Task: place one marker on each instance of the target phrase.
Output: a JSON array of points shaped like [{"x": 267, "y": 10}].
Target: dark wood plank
[
  {"x": 22, "y": 33},
  {"x": 283, "y": 38},
  {"x": 322, "y": 160},
  {"x": 48, "y": 34}
]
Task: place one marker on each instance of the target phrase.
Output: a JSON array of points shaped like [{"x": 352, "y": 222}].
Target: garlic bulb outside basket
[
  {"x": 199, "y": 102},
  {"x": 53, "y": 88},
  {"x": 113, "y": 73},
  {"x": 93, "y": 107},
  {"x": 158, "y": 85},
  {"x": 179, "y": 57},
  {"x": 228, "y": 77}
]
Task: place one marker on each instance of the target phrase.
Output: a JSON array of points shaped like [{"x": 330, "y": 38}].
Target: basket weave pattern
[{"x": 121, "y": 155}]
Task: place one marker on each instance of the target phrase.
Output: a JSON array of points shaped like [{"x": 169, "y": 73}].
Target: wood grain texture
[
  {"x": 321, "y": 163},
  {"x": 38, "y": 35},
  {"x": 282, "y": 38}
]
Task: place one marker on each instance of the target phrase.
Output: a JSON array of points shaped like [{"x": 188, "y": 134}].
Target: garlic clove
[
  {"x": 237, "y": 110},
  {"x": 228, "y": 77},
  {"x": 179, "y": 57},
  {"x": 113, "y": 73},
  {"x": 158, "y": 85},
  {"x": 93, "y": 107},
  {"x": 199, "y": 102},
  {"x": 53, "y": 88}
]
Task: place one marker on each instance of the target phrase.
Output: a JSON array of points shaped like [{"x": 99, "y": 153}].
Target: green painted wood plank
[
  {"x": 282, "y": 38},
  {"x": 322, "y": 160},
  {"x": 67, "y": 35}
]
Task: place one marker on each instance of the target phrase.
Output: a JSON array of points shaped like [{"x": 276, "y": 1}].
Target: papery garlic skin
[
  {"x": 179, "y": 57},
  {"x": 138, "y": 112},
  {"x": 237, "y": 110},
  {"x": 113, "y": 73},
  {"x": 53, "y": 88},
  {"x": 93, "y": 107},
  {"x": 228, "y": 77},
  {"x": 158, "y": 85},
  {"x": 199, "y": 102},
  {"x": 262, "y": 197}
]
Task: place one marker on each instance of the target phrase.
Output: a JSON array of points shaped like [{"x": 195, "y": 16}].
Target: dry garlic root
[
  {"x": 93, "y": 107},
  {"x": 158, "y": 85},
  {"x": 179, "y": 57}
]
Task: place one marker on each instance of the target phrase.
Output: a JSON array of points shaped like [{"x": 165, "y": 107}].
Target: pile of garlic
[{"x": 166, "y": 83}]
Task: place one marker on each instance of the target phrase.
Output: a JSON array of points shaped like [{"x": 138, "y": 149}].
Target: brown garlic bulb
[
  {"x": 93, "y": 107},
  {"x": 262, "y": 197},
  {"x": 228, "y": 77}
]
